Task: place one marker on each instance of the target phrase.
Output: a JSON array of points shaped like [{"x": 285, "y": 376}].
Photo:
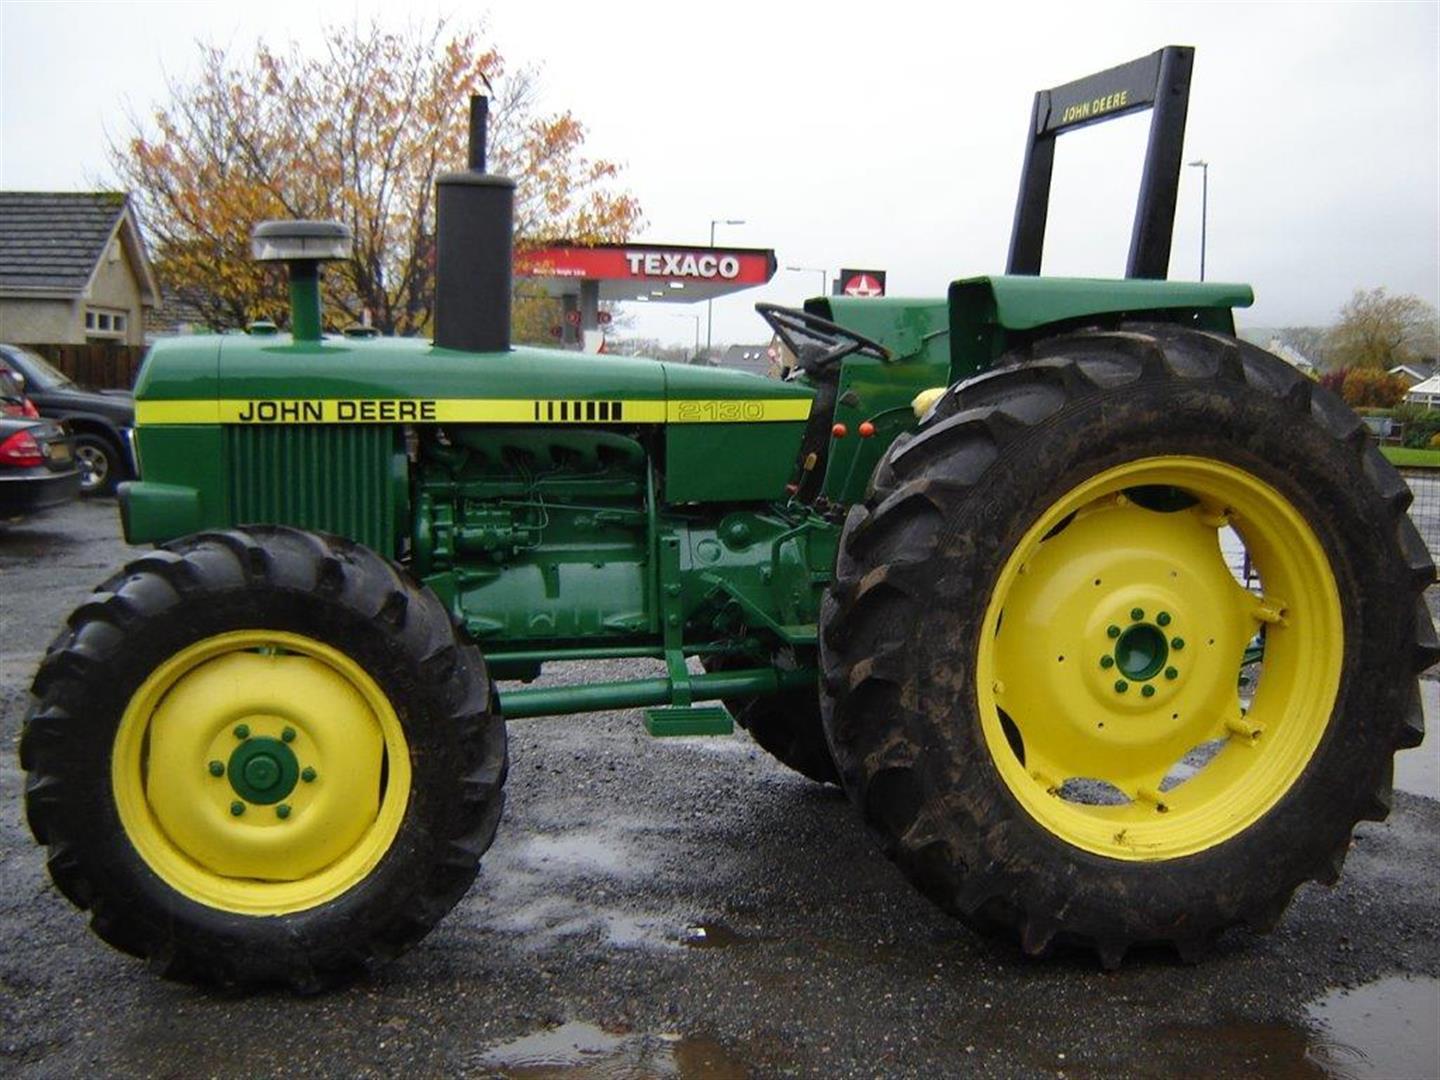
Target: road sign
[{"x": 862, "y": 282}]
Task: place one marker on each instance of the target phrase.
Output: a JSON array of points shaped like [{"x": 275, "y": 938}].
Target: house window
[{"x": 104, "y": 324}]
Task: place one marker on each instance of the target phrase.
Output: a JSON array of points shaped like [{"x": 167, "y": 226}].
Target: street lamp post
[
  {"x": 824, "y": 274},
  {"x": 1204, "y": 167},
  {"x": 709, "y": 312}
]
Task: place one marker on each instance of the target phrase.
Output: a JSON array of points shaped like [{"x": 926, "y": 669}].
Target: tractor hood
[{"x": 234, "y": 379}]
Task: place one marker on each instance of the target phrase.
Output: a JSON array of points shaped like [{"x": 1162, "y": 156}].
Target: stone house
[{"x": 73, "y": 269}]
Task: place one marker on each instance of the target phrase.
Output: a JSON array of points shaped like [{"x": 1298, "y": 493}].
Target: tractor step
[{"x": 695, "y": 720}]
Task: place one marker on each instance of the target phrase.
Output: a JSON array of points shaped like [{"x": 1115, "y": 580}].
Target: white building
[{"x": 1426, "y": 393}]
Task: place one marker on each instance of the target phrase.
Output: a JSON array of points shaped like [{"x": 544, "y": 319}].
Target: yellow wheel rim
[
  {"x": 260, "y": 772},
  {"x": 1113, "y": 665}
]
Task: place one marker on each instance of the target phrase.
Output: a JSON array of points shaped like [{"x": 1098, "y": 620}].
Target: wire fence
[{"x": 1425, "y": 510}]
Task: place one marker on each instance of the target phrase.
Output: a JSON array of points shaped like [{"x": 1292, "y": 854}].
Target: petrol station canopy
[{"x": 655, "y": 273}]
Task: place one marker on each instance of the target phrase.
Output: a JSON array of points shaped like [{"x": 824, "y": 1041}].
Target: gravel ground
[{"x": 688, "y": 908}]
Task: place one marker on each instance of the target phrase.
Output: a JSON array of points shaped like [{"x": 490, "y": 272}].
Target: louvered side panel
[{"x": 330, "y": 478}]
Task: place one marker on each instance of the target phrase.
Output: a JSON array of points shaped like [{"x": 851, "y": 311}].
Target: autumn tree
[
  {"x": 357, "y": 134},
  {"x": 1372, "y": 387},
  {"x": 1377, "y": 330}
]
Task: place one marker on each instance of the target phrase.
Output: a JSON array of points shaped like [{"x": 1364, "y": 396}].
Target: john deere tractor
[{"x": 1107, "y": 622}]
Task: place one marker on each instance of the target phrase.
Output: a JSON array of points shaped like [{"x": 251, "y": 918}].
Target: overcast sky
[{"x": 883, "y": 134}]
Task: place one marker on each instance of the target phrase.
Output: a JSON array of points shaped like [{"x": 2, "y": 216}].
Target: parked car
[
  {"x": 38, "y": 468},
  {"x": 102, "y": 421}
]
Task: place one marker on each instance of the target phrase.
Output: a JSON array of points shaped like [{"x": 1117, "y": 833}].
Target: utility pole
[
  {"x": 709, "y": 312},
  {"x": 1204, "y": 167},
  {"x": 824, "y": 275}
]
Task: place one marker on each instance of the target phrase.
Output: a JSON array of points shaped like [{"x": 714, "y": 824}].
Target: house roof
[
  {"x": 1416, "y": 369},
  {"x": 755, "y": 359},
  {"x": 1426, "y": 388},
  {"x": 52, "y": 241}
]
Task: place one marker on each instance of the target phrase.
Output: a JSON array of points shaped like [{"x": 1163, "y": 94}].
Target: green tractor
[{"x": 1107, "y": 622}]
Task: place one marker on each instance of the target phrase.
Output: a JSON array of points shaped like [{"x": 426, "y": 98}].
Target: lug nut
[
  {"x": 1177, "y": 643},
  {"x": 1147, "y": 690},
  {"x": 282, "y": 811},
  {"x": 1136, "y": 614},
  {"x": 242, "y": 731},
  {"x": 288, "y": 734},
  {"x": 1107, "y": 661},
  {"x": 1112, "y": 631},
  {"x": 1172, "y": 673},
  {"x": 237, "y": 808},
  {"x": 307, "y": 774},
  {"x": 217, "y": 768},
  {"x": 1121, "y": 686},
  {"x": 1163, "y": 618}
]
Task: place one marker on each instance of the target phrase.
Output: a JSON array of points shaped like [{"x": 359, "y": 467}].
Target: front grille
[{"x": 330, "y": 478}]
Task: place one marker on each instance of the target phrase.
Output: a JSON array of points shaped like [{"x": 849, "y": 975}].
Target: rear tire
[
  {"x": 261, "y": 756},
  {"x": 933, "y": 630}
]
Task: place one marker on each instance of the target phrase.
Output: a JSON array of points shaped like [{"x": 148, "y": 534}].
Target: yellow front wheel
[
  {"x": 262, "y": 756},
  {"x": 1124, "y": 640}
]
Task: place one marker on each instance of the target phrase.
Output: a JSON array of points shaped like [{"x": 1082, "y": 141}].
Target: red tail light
[
  {"x": 27, "y": 408},
  {"x": 21, "y": 450}
]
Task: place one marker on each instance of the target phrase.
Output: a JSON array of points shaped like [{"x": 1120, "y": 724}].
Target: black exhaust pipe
[{"x": 475, "y": 221}]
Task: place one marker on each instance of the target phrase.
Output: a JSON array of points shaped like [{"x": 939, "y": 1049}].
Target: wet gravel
[{"x": 688, "y": 908}]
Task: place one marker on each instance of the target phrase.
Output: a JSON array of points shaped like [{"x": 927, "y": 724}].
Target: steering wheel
[{"x": 817, "y": 343}]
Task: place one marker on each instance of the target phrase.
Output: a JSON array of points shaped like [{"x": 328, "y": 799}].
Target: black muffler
[{"x": 475, "y": 222}]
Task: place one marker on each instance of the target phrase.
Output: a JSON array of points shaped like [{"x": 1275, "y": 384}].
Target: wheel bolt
[
  {"x": 237, "y": 808},
  {"x": 1171, "y": 673},
  {"x": 308, "y": 775},
  {"x": 288, "y": 734},
  {"x": 1113, "y": 631},
  {"x": 1147, "y": 690},
  {"x": 1163, "y": 618},
  {"x": 1121, "y": 686},
  {"x": 242, "y": 731},
  {"x": 1177, "y": 643},
  {"x": 1107, "y": 661},
  {"x": 1136, "y": 614},
  {"x": 282, "y": 811},
  {"x": 217, "y": 768}
]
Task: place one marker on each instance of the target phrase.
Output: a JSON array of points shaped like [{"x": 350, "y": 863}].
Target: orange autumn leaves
[{"x": 356, "y": 133}]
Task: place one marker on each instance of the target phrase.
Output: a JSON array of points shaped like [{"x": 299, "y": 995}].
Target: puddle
[
  {"x": 1418, "y": 771},
  {"x": 713, "y": 935},
  {"x": 1384, "y": 1030},
  {"x": 1387, "y": 1028},
  {"x": 577, "y": 1051},
  {"x": 548, "y": 920},
  {"x": 586, "y": 853}
]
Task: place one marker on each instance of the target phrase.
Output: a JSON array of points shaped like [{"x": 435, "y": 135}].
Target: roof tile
[{"x": 52, "y": 240}]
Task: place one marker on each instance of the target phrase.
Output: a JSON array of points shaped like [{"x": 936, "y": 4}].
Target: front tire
[
  {"x": 1034, "y": 649},
  {"x": 261, "y": 756}
]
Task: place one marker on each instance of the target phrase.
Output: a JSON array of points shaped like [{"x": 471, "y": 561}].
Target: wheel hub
[
  {"x": 264, "y": 764},
  {"x": 263, "y": 770},
  {"x": 1141, "y": 652}
]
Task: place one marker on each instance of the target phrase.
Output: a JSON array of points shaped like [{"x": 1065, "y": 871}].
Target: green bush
[{"x": 1422, "y": 431}]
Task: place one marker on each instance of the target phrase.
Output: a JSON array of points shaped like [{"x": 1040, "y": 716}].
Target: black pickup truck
[{"x": 102, "y": 421}]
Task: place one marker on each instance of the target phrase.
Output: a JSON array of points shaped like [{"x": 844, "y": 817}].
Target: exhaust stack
[{"x": 475, "y": 218}]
